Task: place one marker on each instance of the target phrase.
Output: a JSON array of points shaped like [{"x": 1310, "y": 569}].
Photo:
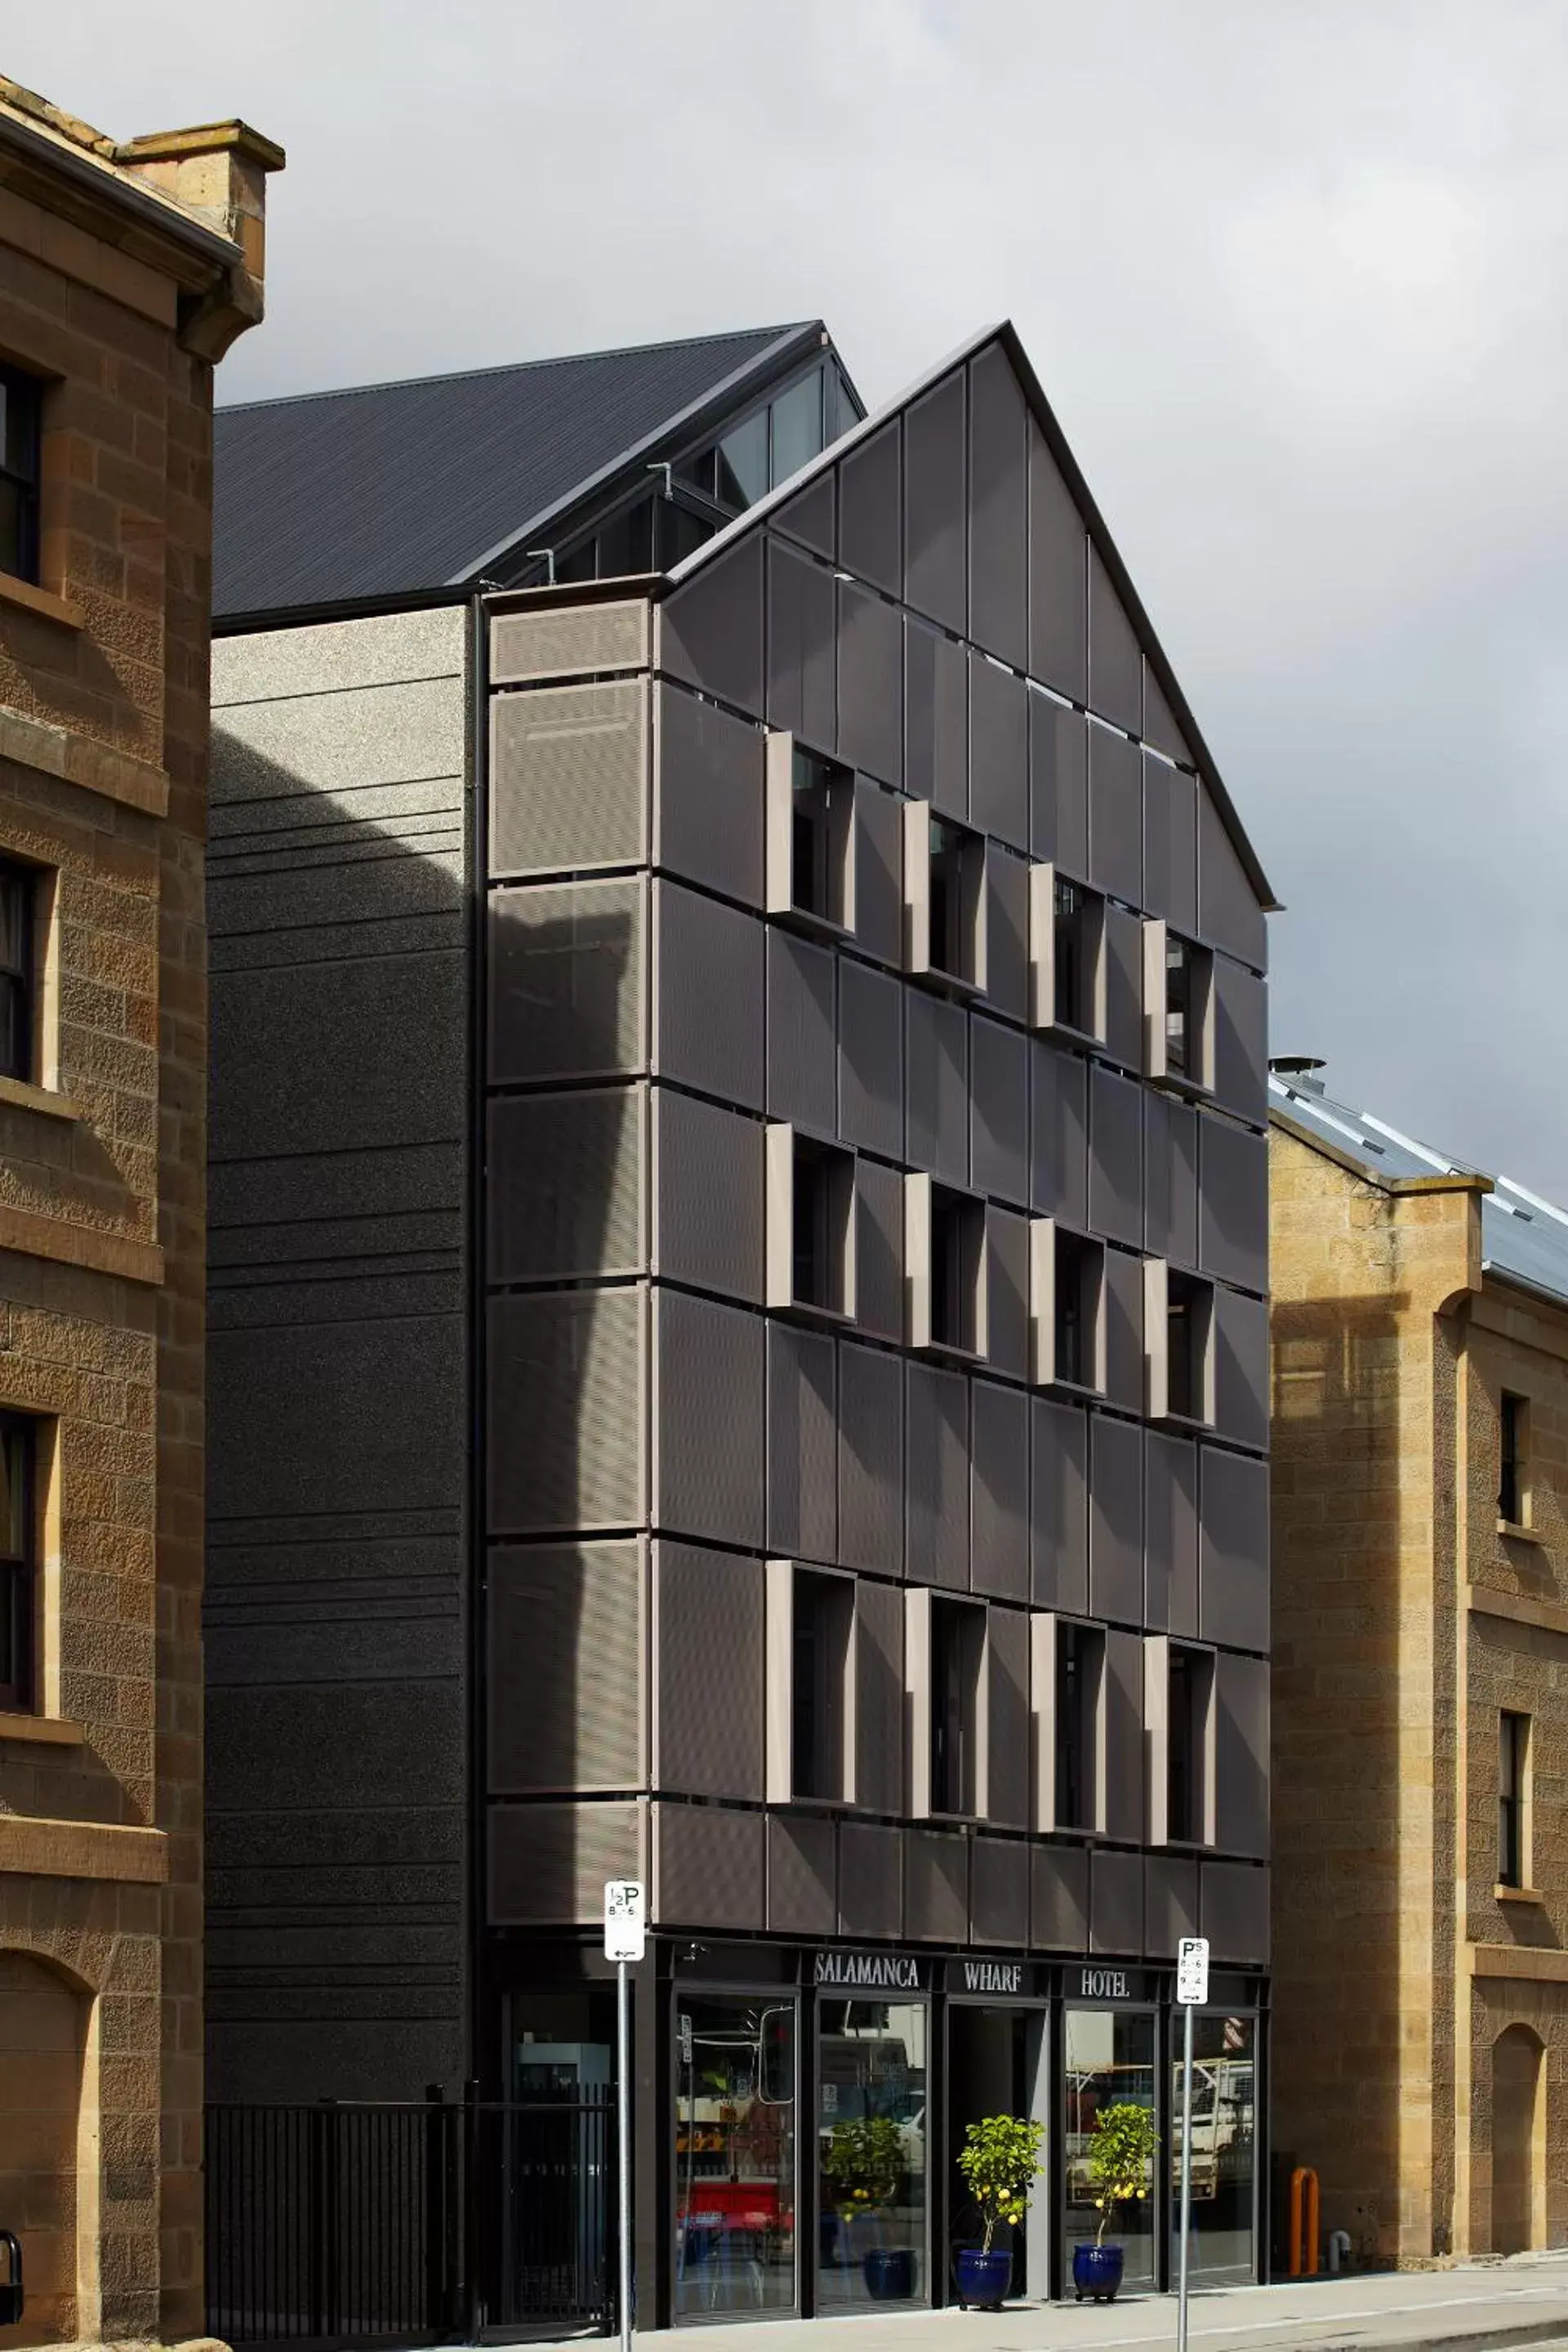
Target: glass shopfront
[
  {"x": 1223, "y": 2251},
  {"x": 734, "y": 2153},
  {"x": 872, "y": 2138},
  {"x": 1108, "y": 2059}
]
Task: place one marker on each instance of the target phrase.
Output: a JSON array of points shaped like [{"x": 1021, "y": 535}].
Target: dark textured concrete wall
[{"x": 335, "y": 1618}]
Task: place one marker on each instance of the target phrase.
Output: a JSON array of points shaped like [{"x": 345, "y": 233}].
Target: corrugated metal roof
[
  {"x": 1523, "y": 1237},
  {"x": 328, "y": 497}
]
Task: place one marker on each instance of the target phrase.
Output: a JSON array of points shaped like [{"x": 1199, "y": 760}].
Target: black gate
[{"x": 341, "y": 2223}]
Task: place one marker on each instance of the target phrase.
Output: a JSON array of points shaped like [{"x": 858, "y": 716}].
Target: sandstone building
[
  {"x": 125, "y": 273},
  {"x": 1420, "y": 1340}
]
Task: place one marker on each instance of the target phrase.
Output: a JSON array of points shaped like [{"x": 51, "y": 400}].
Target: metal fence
[{"x": 338, "y": 2223}]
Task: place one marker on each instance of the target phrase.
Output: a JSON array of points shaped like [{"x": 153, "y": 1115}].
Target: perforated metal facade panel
[
  {"x": 1115, "y": 659},
  {"x": 1058, "y": 1898},
  {"x": 1241, "y": 1368},
  {"x": 569, "y": 778},
  {"x": 936, "y": 548},
  {"x": 1228, "y": 914},
  {"x": 1240, "y": 1041},
  {"x": 802, "y": 1443},
  {"x": 708, "y": 995},
  {"x": 999, "y": 1067},
  {"x": 870, "y": 1058},
  {"x": 999, "y": 508},
  {"x": 870, "y": 505},
  {"x": 1007, "y": 1292},
  {"x": 709, "y": 1868},
  {"x": 1116, "y": 1157},
  {"x": 1058, "y": 1507},
  {"x": 870, "y": 684},
  {"x": 1115, "y": 815},
  {"x": 879, "y": 1697},
  {"x": 563, "y": 1659},
  {"x": 812, "y": 516},
  {"x": 708, "y": 1195},
  {"x": 998, "y": 753},
  {"x": 1233, "y": 1902},
  {"x": 1124, "y": 1700},
  {"x": 879, "y": 1249},
  {"x": 1170, "y": 1535},
  {"x": 870, "y": 1460},
  {"x": 1000, "y": 1507},
  {"x": 1059, "y": 786},
  {"x": 878, "y": 873},
  {"x": 1058, "y": 576},
  {"x": 708, "y": 794},
  {"x": 1171, "y": 845},
  {"x": 936, "y": 1540},
  {"x": 566, "y": 981},
  {"x": 1116, "y": 1519},
  {"x": 802, "y": 1053},
  {"x": 936, "y": 719},
  {"x": 1058, "y": 1126},
  {"x": 565, "y": 1414},
  {"x": 1241, "y": 1755},
  {"x": 578, "y": 641},
  {"x": 801, "y": 647},
  {"x": 548, "y": 1862},
  {"x": 936, "y": 1886},
  {"x": 710, "y": 631},
  {"x": 1007, "y": 1743},
  {"x": 707, "y": 1673},
  {"x": 999, "y": 1892},
  {"x": 708, "y": 1419},
  {"x": 870, "y": 1880},
  {"x": 1171, "y": 1171},
  {"x": 936, "y": 1085},
  {"x": 1115, "y": 1900},
  {"x": 564, "y": 1184},
  {"x": 1124, "y": 987},
  {"x": 1125, "y": 1378},
  {"x": 1233, "y": 1550},
  {"x": 1233, "y": 1197},
  {"x": 802, "y": 1860},
  {"x": 1170, "y": 1903},
  {"x": 1007, "y": 933}
]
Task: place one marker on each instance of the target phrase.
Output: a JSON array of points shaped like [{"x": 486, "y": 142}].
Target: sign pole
[
  {"x": 1186, "y": 2171},
  {"x": 624, "y": 2137}
]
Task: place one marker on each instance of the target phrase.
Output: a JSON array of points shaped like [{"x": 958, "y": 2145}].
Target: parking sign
[
  {"x": 1193, "y": 1971},
  {"x": 626, "y": 1919}
]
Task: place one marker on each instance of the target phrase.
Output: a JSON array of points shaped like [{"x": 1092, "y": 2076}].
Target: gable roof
[
  {"x": 390, "y": 489},
  {"x": 1007, "y": 335},
  {"x": 1524, "y": 1239}
]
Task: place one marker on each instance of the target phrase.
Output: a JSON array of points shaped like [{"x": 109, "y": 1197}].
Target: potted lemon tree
[
  {"x": 1122, "y": 2148},
  {"x": 1000, "y": 2161},
  {"x": 866, "y": 2163}
]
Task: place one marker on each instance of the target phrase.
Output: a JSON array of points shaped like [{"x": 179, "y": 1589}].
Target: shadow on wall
[
  {"x": 1337, "y": 2093},
  {"x": 338, "y": 1608}
]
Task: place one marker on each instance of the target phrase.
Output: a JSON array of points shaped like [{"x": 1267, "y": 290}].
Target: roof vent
[{"x": 1300, "y": 1069}]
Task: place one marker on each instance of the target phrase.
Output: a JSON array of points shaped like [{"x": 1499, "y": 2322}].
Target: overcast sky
[{"x": 1295, "y": 278}]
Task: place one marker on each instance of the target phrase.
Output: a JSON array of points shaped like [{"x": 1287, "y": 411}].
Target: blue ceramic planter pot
[
  {"x": 983, "y": 2279},
  {"x": 890, "y": 2274},
  {"x": 1097, "y": 2272}
]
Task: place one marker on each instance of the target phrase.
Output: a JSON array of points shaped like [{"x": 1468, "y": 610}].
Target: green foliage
[
  {"x": 865, "y": 2160},
  {"x": 1000, "y": 2161},
  {"x": 1122, "y": 2150}
]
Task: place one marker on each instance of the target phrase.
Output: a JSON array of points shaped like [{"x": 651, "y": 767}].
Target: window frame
[
  {"x": 24, "y": 975},
  {"x": 1046, "y": 880},
  {"x": 788, "y": 1583},
  {"x": 1055, "y": 1641},
  {"x": 1181, "y": 1714},
  {"x": 787, "y": 1148},
  {"x": 971, "y": 895},
  {"x": 20, "y": 1580},
  {"x": 947, "y": 1649},
  {"x": 783, "y": 894},
  {"x": 1190, "y": 1401},
  {"x": 1515, "y": 1744},
  {"x": 1195, "y": 1077},
  {"x": 1513, "y": 1462},
  {"x": 929, "y": 1205},
  {"x": 1048, "y": 1239},
  {"x": 28, "y": 481}
]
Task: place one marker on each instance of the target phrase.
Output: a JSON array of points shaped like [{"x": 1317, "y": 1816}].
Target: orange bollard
[{"x": 1303, "y": 2222}]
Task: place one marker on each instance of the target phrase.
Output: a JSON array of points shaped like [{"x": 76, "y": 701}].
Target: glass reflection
[
  {"x": 1222, "y": 2246},
  {"x": 735, "y": 2154},
  {"x": 871, "y": 2153},
  {"x": 1110, "y": 2060},
  {"x": 797, "y": 427}
]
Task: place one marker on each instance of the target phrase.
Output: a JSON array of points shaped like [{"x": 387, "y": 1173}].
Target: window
[
  {"x": 945, "y": 1237},
  {"x": 1066, "y": 937},
  {"x": 1079, "y": 1663},
  {"x": 957, "y": 1669},
  {"x": 19, "y": 885},
  {"x": 1178, "y": 999},
  {"x": 810, "y": 838},
  {"x": 1513, "y": 1793},
  {"x": 17, "y": 1563},
  {"x": 1188, "y": 1715},
  {"x": 743, "y": 462},
  {"x": 1066, "y": 1283},
  {"x": 1513, "y": 1496},
  {"x": 796, "y": 427},
  {"x": 944, "y": 899},
  {"x": 20, "y": 403},
  {"x": 1178, "y": 1333},
  {"x": 823, "y": 1619},
  {"x": 811, "y": 1224}
]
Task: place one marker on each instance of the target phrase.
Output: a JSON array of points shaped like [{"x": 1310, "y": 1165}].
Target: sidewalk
[{"x": 1468, "y": 2309}]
